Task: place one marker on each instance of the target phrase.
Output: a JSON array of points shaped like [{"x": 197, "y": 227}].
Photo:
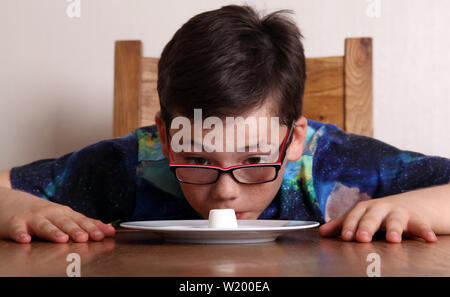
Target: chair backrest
[{"x": 338, "y": 89}]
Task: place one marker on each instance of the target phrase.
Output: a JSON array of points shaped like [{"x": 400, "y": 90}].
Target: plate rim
[{"x": 308, "y": 225}]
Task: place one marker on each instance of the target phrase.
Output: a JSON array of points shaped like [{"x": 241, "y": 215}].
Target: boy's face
[{"x": 248, "y": 200}]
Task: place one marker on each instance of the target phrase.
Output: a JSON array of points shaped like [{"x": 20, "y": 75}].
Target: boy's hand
[
  {"x": 23, "y": 215},
  {"x": 418, "y": 213}
]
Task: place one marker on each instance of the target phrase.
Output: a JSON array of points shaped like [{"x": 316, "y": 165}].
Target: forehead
[
  {"x": 230, "y": 134},
  {"x": 252, "y": 118},
  {"x": 267, "y": 109}
]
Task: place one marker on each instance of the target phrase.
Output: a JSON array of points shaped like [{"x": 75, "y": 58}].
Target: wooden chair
[{"x": 338, "y": 89}]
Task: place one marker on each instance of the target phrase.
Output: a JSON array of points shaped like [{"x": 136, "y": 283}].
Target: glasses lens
[
  {"x": 196, "y": 175},
  {"x": 255, "y": 174}
]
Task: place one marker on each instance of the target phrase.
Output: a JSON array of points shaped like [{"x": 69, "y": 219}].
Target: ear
[
  {"x": 295, "y": 149},
  {"x": 162, "y": 133}
]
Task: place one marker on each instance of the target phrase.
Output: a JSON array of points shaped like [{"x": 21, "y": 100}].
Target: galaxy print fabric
[
  {"x": 128, "y": 178},
  {"x": 98, "y": 180}
]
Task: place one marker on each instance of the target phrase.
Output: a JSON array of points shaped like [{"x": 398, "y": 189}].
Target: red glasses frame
[{"x": 222, "y": 170}]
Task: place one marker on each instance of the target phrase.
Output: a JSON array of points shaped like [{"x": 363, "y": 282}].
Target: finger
[
  {"x": 419, "y": 228},
  {"x": 96, "y": 234},
  {"x": 395, "y": 224},
  {"x": 18, "y": 231},
  {"x": 89, "y": 226},
  {"x": 69, "y": 226},
  {"x": 331, "y": 228},
  {"x": 108, "y": 230},
  {"x": 369, "y": 223},
  {"x": 43, "y": 228},
  {"x": 351, "y": 221}
]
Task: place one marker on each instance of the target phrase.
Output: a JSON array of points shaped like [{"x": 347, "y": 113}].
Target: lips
[{"x": 239, "y": 215}]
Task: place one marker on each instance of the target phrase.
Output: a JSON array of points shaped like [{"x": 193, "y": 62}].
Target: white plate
[{"x": 197, "y": 231}]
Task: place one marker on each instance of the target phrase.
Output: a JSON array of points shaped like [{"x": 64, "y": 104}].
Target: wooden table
[{"x": 300, "y": 253}]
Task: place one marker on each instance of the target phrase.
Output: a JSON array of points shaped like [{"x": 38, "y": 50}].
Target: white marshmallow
[{"x": 222, "y": 218}]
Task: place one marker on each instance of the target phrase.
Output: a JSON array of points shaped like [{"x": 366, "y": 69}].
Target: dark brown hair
[{"x": 230, "y": 61}]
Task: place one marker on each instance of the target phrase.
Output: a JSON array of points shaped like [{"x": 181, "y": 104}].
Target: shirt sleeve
[
  {"x": 98, "y": 180},
  {"x": 351, "y": 168}
]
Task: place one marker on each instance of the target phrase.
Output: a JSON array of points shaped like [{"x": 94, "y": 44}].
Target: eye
[
  {"x": 196, "y": 161},
  {"x": 253, "y": 160}
]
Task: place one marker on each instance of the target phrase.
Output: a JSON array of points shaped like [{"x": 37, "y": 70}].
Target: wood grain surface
[
  {"x": 149, "y": 103},
  {"x": 127, "y": 86},
  {"x": 358, "y": 86},
  {"x": 300, "y": 253},
  {"x": 324, "y": 90}
]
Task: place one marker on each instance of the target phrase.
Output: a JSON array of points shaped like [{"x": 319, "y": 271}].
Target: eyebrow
[{"x": 246, "y": 148}]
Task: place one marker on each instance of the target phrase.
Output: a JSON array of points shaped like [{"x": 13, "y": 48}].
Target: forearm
[
  {"x": 9, "y": 198},
  {"x": 5, "y": 180},
  {"x": 433, "y": 203},
  {"x": 12, "y": 203}
]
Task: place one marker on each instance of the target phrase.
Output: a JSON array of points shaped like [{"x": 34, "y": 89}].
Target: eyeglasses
[{"x": 244, "y": 174}]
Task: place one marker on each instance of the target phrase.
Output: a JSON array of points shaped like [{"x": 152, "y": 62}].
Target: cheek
[
  {"x": 196, "y": 195},
  {"x": 260, "y": 196},
  {"x": 263, "y": 194},
  {"x": 268, "y": 191}
]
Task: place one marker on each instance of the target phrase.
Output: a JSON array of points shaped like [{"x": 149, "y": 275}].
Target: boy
[{"x": 229, "y": 63}]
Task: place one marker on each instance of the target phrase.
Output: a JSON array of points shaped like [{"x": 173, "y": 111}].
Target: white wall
[{"x": 56, "y": 72}]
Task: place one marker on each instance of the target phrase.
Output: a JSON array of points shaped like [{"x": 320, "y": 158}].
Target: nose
[{"x": 226, "y": 188}]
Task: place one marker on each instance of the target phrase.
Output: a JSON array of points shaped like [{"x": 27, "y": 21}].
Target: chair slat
[
  {"x": 358, "y": 86},
  {"x": 324, "y": 90}
]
